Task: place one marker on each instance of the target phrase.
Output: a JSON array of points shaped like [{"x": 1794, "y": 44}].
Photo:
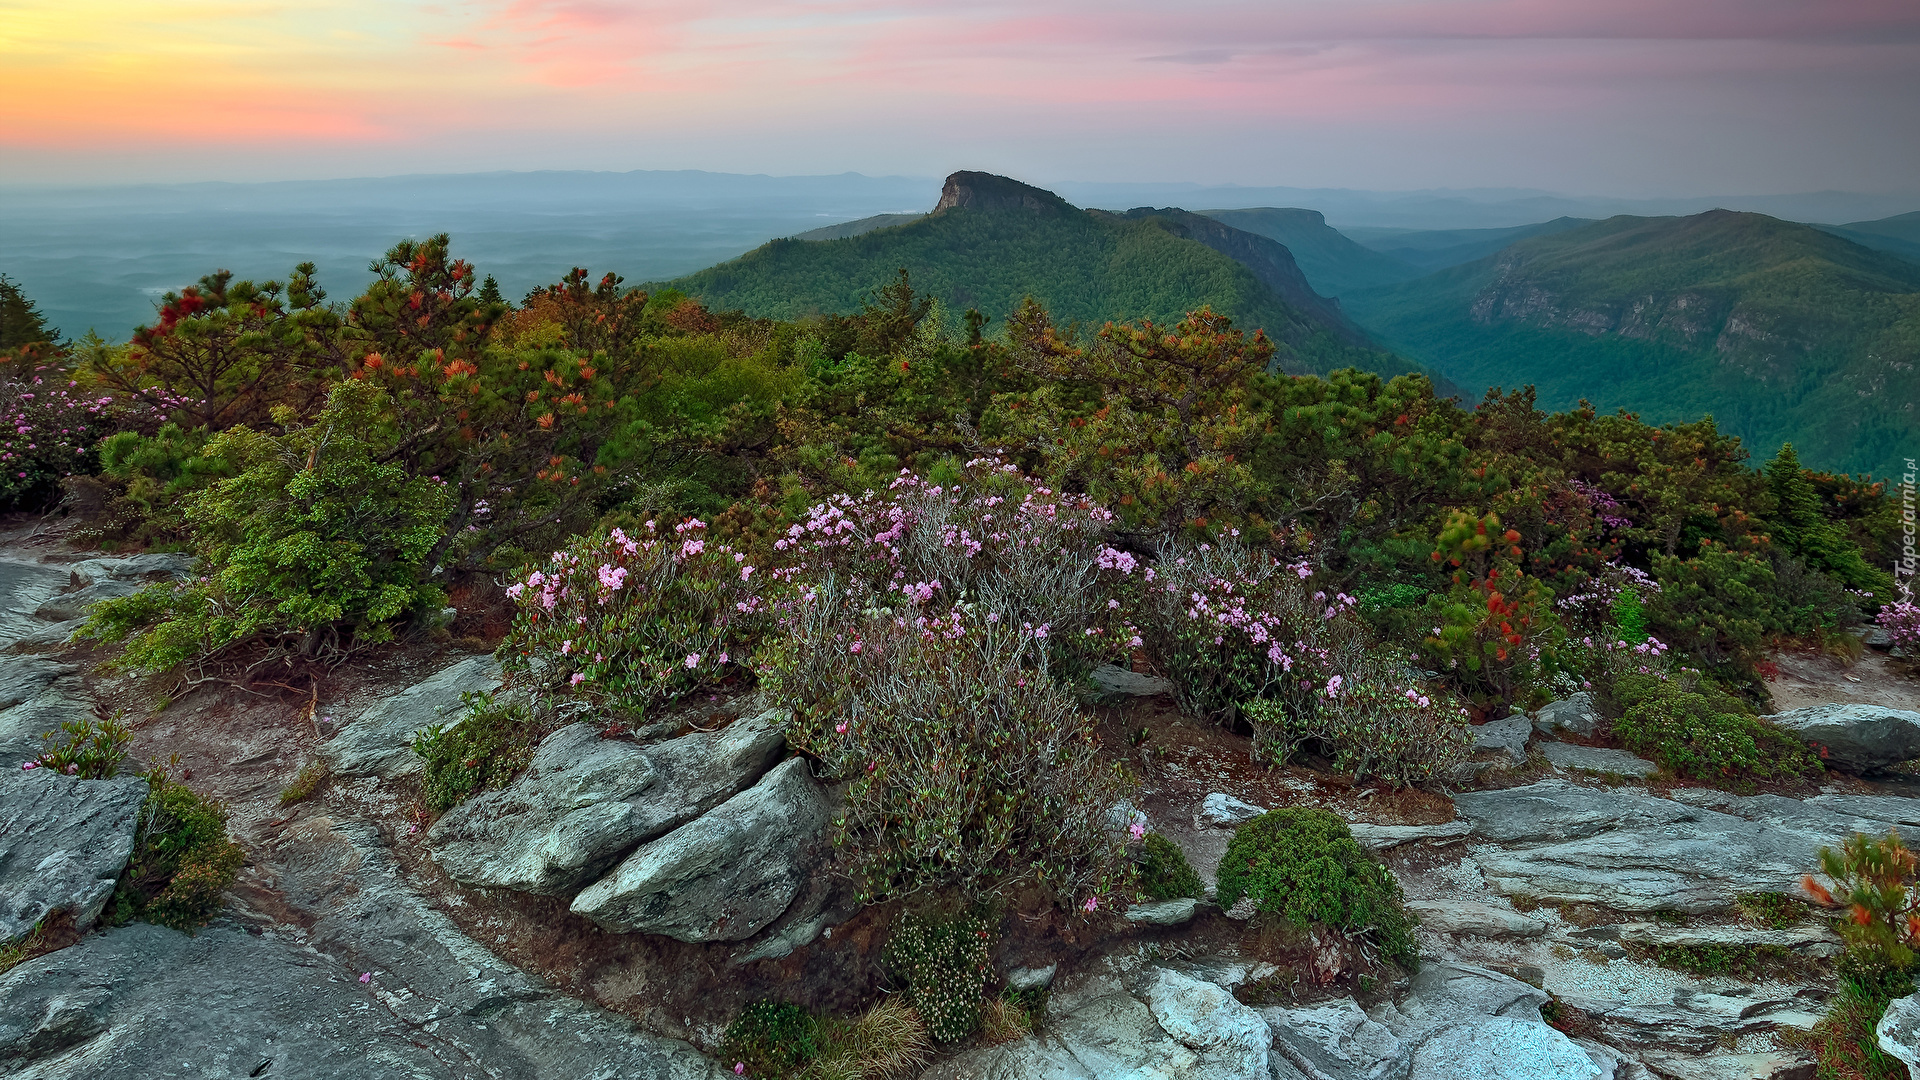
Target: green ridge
[{"x": 1781, "y": 331}]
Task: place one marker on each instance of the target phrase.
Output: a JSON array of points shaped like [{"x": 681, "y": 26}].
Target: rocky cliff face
[{"x": 985, "y": 191}]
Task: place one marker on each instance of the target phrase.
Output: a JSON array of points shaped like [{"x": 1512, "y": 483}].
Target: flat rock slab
[
  {"x": 1381, "y": 837},
  {"x": 1632, "y": 851},
  {"x": 585, "y": 802},
  {"x": 1855, "y": 738},
  {"x": 380, "y": 741},
  {"x": 37, "y": 695},
  {"x": 63, "y": 843},
  {"x": 1500, "y": 1048},
  {"x": 1696, "y": 1022},
  {"x": 1474, "y": 919},
  {"x": 1164, "y": 913},
  {"x": 726, "y": 875},
  {"x": 1222, "y": 811},
  {"x": 23, "y": 588},
  {"x": 145, "y": 1003},
  {"x": 1597, "y": 759},
  {"x": 1119, "y": 680},
  {"x": 1798, "y": 937}
]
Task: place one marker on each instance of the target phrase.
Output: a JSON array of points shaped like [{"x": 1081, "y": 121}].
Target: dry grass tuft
[
  {"x": 890, "y": 1042},
  {"x": 1004, "y": 1021}
]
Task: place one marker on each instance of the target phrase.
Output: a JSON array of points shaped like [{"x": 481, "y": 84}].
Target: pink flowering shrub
[
  {"x": 1249, "y": 638},
  {"x": 969, "y": 765},
  {"x": 921, "y": 645},
  {"x": 1901, "y": 621},
  {"x": 635, "y": 622},
  {"x": 48, "y": 429}
]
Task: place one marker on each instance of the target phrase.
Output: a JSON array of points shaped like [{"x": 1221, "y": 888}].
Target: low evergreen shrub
[
  {"x": 486, "y": 749},
  {"x": 1165, "y": 873},
  {"x": 944, "y": 963},
  {"x": 182, "y": 859},
  {"x": 1304, "y": 866},
  {"x": 1693, "y": 728}
]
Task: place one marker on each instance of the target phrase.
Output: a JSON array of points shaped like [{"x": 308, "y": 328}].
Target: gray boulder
[
  {"x": 1334, "y": 1039},
  {"x": 586, "y": 801},
  {"x": 724, "y": 876},
  {"x": 1575, "y": 713},
  {"x": 1500, "y": 1048},
  {"x": 1898, "y": 1032},
  {"x": 37, "y": 695},
  {"x": 1473, "y": 919},
  {"x": 1165, "y": 913},
  {"x": 380, "y": 741},
  {"x": 1597, "y": 759},
  {"x": 1231, "y": 1039},
  {"x": 63, "y": 843},
  {"x": 109, "y": 579},
  {"x": 1509, "y": 736},
  {"x": 1171, "y": 1026},
  {"x": 23, "y": 588},
  {"x": 1119, "y": 680},
  {"x": 1696, "y": 1021},
  {"x": 1855, "y": 738},
  {"x": 1222, "y": 811}
]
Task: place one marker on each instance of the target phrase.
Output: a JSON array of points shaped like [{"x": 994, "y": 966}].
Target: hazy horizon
[{"x": 1634, "y": 98}]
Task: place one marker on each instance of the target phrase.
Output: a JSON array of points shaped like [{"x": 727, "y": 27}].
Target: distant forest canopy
[
  {"x": 1781, "y": 332},
  {"x": 502, "y": 429}
]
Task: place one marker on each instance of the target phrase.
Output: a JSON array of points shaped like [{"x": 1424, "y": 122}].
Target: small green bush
[
  {"x": 1741, "y": 961},
  {"x": 316, "y": 547},
  {"x": 182, "y": 860},
  {"x": 771, "y": 1038},
  {"x": 1695, "y": 729},
  {"x": 944, "y": 964},
  {"x": 1165, "y": 873},
  {"x": 1845, "y": 1046},
  {"x": 89, "y": 751},
  {"x": 1304, "y": 866},
  {"x": 486, "y": 749}
]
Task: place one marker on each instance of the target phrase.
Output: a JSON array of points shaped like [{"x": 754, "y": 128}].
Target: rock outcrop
[
  {"x": 585, "y": 802},
  {"x": 1575, "y": 713},
  {"x": 37, "y": 695},
  {"x": 380, "y": 741},
  {"x": 1855, "y": 738},
  {"x": 63, "y": 843},
  {"x": 1637, "y": 852},
  {"x": 1597, "y": 759},
  {"x": 726, "y": 875},
  {"x": 1898, "y": 1032}
]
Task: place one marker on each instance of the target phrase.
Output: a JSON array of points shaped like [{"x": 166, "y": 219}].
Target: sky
[{"x": 1616, "y": 97}]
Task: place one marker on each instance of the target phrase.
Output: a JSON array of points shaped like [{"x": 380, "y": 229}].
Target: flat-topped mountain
[{"x": 990, "y": 242}]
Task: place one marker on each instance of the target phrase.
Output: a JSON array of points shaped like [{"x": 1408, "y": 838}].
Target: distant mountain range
[
  {"x": 1780, "y": 331},
  {"x": 990, "y": 242}
]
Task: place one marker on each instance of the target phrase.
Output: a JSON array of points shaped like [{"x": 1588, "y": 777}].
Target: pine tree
[
  {"x": 21, "y": 323},
  {"x": 1800, "y": 526},
  {"x": 490, "y": 291}
]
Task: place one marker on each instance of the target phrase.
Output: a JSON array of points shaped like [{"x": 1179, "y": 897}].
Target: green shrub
[
  {"x": 1844, "y": 1042},
  {"x": 486, "y": 749},
  {"x": 90, "y": 752},
  {"x": 305, "y": 783},
  {"x": 771, "y": 1038},
  {"x": 182, "y": 860},
  {"x": 944, "y": 964},
  {"x": 1165, "y": 873},
  {"x": 1304, "y": 866},
  {"x": 1695, "y": 729},
  {"x": 315, "y": 548},
  {"x": 1741, "y": 961},
  {"x": 1630, "y": 616}
]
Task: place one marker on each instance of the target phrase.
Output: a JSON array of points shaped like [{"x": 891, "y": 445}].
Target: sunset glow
[{"x": 1301, "y": 91}]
